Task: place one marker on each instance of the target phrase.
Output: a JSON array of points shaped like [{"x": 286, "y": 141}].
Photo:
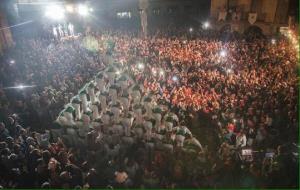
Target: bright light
[
  {"x": 154, "y": 71},
  {"x": 91, "y": 10},
  {"x": 161, "y": 72},
  {"x": 70, "y": 8},
  {"x": 223, "y": 53},
  {"x": 55, "y": 12},
  {"x": 273, "y": 41},
  {"x": 206, "y": 25},
  {"x": 12, "y": 61},
  {"x": 141, "y": 66},
  {"x": 191, "y": 29},
  {"x": 229, "y": 70},
  {"x": 83, "y": 10},
  {"x": 175, "y": 78},
  {"x": 21, "y": 87},
  {"x": 118, "y": 72}
]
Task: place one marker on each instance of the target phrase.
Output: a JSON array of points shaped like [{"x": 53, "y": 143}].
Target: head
[
  {"x": 46, "y": 155},
  {"x": 45, "y": 185},
  {"x": 63, "y": 157},
  {"x": 11, "y": 120}
]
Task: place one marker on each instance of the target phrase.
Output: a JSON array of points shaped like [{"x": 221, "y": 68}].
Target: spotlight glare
[
  {"x": 83, "y": 10},
  {"x": 12, "y": 61},
  {"x": 206, "y": 25},
  {"x": 21, "y": 87},
  {"x": 55, "y": 12},
  {"x": 191, "y": 29},
  {"x": 69, "y": 8}
]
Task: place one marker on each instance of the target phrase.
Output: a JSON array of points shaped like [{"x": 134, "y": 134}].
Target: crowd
[
  {"x": 248, "y": 91},
  {"x": 57, "y": 70}
]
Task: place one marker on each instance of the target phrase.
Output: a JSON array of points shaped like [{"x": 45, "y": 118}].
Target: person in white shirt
[
  {"x": 60, "y": 30},
  {"x": 241, "y": 140},
  {"x": 55, "y": 32},
  {"x": 71, "y": 29}
]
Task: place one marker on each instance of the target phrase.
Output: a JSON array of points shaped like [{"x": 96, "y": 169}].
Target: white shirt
[{"x": 241, "y": 140}]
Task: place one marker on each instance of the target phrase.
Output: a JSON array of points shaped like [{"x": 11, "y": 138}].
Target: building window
[
  {"x": 124, "y": 14},
  {"x": 156, "y": 11},
  {"x": 172, "y": 10}
]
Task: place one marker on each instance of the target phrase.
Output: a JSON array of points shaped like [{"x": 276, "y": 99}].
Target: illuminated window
[
  {"x": 156, "y": 11},
  {"x": 124, "y": 14}
]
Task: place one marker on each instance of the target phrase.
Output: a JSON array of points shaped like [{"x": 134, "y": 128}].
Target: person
[
  {"x": 60, "y": 31},
  {"x": 241, "y": 140},
  {"x": 55, "y": 33},
  {"x": 71, "y": 29}
]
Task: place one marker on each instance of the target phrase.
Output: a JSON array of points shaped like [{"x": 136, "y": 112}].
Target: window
[
  {"x": 156, "y": 11},
  {"x": 172, "y": 10},
  {"x": 124, "y": 14}
]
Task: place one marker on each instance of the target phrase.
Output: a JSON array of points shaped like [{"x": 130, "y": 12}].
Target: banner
[{"x": 252, "y": 18}]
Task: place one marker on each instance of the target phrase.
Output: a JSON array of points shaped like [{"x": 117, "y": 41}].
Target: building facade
[
  {"x": 145, "y": 15},
  {"x": 269, "y": 15}
]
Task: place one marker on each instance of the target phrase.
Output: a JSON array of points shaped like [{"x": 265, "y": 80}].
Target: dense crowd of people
[{"x": 247, "y": 91}]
